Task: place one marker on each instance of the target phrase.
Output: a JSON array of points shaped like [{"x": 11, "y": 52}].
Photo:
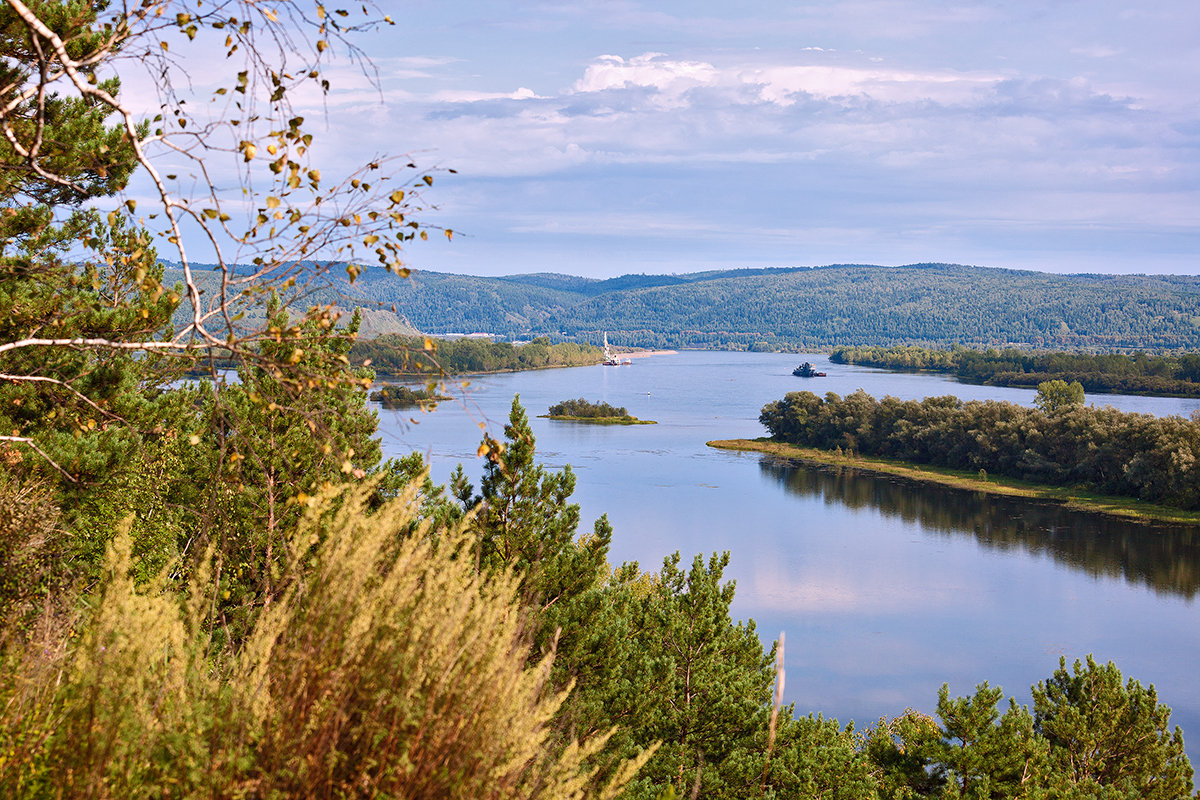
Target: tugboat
[{"x": 806, "y": 370}]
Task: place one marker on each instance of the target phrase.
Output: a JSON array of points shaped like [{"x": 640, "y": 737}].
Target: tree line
[
  {"x": 416, "y": 355},
  {"x": 1174, "y": 374},
  {"x": 1062, "y": 444}
]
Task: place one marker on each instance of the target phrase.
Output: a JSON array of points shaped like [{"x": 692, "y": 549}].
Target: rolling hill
[{"x": 931, "y": 304}]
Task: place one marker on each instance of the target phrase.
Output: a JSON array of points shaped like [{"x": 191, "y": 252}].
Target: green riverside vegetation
[
  {"x": 408, "y": 355},
  {"x": 1139, "y": 373},
  {"x": 218, "y": 588},
  {"x": 1061, "y": 443}
]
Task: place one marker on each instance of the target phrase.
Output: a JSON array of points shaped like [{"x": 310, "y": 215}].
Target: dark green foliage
[
  {"x": 983, "y": 754},
  {"x": 401, "y": 355},
  {"x": 524, "y": 521},
  {"x": 656, "y": 655},
  {"x": 1103, "y": 733},
  {"x": 1174, "y": 374},
  {"x": 1113, "y": 452},
  {"x": 74, "y": 143},
  {"x": 583, "y": 408},
  {"x": 711, "y": 683},
  {"x": 941, "y": 304},
  {"x": 1088, "y": 737},
  {"x": 270, "y": 444}
]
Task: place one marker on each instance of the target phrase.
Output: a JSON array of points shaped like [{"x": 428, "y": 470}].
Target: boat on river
[
  {"x": 611, "y": 359},
  {"x": 806, "y": 370}
]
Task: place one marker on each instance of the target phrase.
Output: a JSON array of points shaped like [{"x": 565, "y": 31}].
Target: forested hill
[{"x": 935, "y": 304}]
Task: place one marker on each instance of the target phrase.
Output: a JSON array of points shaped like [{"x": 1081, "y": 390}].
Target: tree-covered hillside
[
  {"x": 930, "y": 304},
  {"x": 824, "y": 306}
]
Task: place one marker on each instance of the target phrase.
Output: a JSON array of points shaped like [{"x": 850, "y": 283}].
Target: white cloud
[
  {"x": 467, "y": 96},
  {"x": 781, "y": 83},
  {"x": 650, "y": 70}
]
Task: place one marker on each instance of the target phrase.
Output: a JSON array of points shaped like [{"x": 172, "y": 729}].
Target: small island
[
  {"x": 596, "y": 413},
  {"x": 393, "y": 397}
]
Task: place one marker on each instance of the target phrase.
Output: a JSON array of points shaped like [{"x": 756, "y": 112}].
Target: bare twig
[{"x": 25, "y": 440}]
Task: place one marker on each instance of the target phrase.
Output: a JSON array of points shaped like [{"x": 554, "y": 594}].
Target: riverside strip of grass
[{"x": 1125, "y": 507}]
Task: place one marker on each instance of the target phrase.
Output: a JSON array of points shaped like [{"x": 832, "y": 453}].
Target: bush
[
  {"x": 582, "y": 408},
  {"x": 390, "y": 667}
]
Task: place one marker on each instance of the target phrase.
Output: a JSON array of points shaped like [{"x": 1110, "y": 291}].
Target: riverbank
[
  {"x": 383, "y": 373},
  {"x": 1124, "y": 507},
  {"x": 600, "y": 420}
]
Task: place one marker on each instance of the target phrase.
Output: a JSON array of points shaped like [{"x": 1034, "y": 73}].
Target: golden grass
[{"x": 391, "y": 667}]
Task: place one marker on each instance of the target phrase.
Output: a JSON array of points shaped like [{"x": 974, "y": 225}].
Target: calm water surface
[{"x": 886, "y": 589}]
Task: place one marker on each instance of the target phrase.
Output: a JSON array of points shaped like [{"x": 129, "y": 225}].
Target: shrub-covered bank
[
  {"x": 1101, "y": 449},
  {"x": 407, "y": 355}
]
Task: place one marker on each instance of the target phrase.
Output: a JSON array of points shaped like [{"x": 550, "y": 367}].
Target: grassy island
[
  {"x": 1073, "y": 498},
  {"x": 393, "y": 397},
  {"x": 596, "y": 413}
]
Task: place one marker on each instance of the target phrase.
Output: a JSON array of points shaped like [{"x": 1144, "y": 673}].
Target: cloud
[
  {"x": 1095, "y": 51},
  {"x": 467, "y": 96},
  {"x": 780, "y": 83},
  {"x": 649, "y": 69}
]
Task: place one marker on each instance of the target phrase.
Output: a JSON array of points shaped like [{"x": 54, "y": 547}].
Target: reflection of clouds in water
[{"x": 874, "y": 588}]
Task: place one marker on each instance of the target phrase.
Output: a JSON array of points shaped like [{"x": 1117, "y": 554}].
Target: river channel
[{"x": 885, "y": 589}]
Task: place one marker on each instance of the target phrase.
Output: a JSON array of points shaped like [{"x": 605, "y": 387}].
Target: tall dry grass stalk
[
  {"x": 390, "y": 668},
  {"x": 776, "y": 705}
]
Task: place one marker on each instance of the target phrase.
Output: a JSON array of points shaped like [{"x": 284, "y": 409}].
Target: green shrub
[{"x": 583, "y": 408}]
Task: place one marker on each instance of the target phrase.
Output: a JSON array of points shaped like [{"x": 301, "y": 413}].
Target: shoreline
[
  {"x": 448, "y": 375},
  {"x": 1123, "y": 507},
  {"x": 647, "y": 353},
  {"x": 600, "y": 420}
]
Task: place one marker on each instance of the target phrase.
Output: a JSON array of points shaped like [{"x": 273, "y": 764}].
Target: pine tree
[
  {"x": 268, "y": 445},
  {"x": 524, "y": 520},
  {"x": 1105, "y": 735}
]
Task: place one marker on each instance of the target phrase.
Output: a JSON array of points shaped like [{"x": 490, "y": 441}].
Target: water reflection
[{"x": 1163, "y": 558}]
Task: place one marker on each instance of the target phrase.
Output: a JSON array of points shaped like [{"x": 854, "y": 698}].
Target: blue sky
[{"x": 600, "y": 138}]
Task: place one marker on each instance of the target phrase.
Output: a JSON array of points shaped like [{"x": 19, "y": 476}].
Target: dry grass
[{"x": 390, "y": 668}]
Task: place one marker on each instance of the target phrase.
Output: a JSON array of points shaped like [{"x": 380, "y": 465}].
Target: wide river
[{"x": 885, "y": 589}]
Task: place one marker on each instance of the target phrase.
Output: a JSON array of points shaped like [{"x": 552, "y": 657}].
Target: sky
[{"x": 602, "y": 138}]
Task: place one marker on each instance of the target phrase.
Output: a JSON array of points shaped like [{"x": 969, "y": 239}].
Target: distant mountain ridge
[
  {"x": 792, "y": 307},
  {"x": 937, "y": 304}
]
